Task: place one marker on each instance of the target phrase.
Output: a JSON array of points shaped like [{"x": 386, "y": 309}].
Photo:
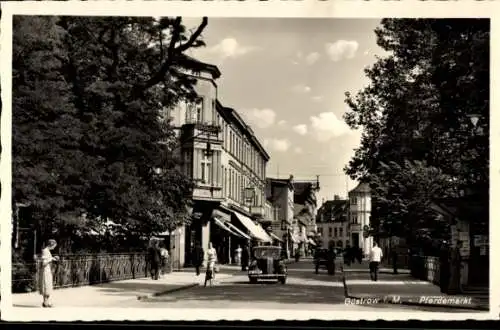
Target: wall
[
  {"x": 323, "y": 228},
  {"x": 242, "y": 166},
  {"x": 207, "y": 89},
  {"x": 360, "y": 211}
]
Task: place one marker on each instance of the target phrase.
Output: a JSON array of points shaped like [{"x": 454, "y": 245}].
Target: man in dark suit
[
  {"x": 198, "y": 256},
  {"x": 154, "y": 258}
]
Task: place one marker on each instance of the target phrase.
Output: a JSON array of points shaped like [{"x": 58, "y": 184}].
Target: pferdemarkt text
[{"x": 393, "y": 299}]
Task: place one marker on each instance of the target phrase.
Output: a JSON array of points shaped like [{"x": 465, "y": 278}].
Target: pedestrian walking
[
  {"x": 245, "y": 257},
  {"x": 237, "y": 255},
  {"x": 154, "y": 259},
  {"x": 331, "y": 260},
  {"x": 359, "y": 255},
  {"x": 46, "y": 282},
  {"x": 456, "y": 267},
  {"x": 375, "y": 258},
  {"x": 444, "y": 267},
  {"x": 211, "y": 260},
  {"x": 347, "y": 255},
  {"x": 394, "y": 259},
  {"x": 198, "y": 256},
  {"x": 164, "y": 259}
]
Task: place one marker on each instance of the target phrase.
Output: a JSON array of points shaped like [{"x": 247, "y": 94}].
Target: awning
[
  {"x": 275, "y": 237},
  {"x": 224, "y": 217},
  {"x": 236, "y": 230},
  {"x": 223, "y": 226},
  {"x": 256, "y": 231}
]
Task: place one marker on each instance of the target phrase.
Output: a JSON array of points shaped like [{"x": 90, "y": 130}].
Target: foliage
[
  {"x": 417, "y": 108},
  {"x": 88, "y": 134}
]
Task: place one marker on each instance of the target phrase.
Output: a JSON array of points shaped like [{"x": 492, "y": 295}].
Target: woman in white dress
[
  {"x": 211, "y": 260},
  {"x": 46, "y": 278}
]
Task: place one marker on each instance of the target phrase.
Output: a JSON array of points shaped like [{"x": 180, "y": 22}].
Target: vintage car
[
  {"x": 267, "y": 264},
  {"x": 323, "y": 260}
]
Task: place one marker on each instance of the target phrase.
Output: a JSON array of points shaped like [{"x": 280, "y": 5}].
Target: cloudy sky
[{"x": 287, "y": 77}]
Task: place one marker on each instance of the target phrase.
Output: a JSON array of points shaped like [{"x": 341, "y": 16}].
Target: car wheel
[{"x": 253, "y": 280}]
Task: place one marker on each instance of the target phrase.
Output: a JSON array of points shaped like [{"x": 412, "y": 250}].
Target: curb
[
  {"x": 408, "y": 303},
  {"x": 172, "y": 290},
  {"x": 164, "y": 292}
]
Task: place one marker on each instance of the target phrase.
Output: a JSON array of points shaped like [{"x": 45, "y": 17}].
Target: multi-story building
[
  {"x": 359, "y": 217},
  {"x": 279, "y": 193},
  {"x": 305, "y": 209},
  {"x": 227, "y": 163},
  {"x": 332, "y": 222}
]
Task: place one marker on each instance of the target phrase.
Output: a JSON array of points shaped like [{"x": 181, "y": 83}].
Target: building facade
[
  {"x": 227, "y": 163},
  {"x": 305, "y": 210},
  {"x": 279, "y": 193},
  {"x": 359, "y": 217},
  {"x": 332, "y": 222}
]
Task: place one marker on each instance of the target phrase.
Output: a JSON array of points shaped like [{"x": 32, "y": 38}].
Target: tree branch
[{"x": 172, "y": 52}]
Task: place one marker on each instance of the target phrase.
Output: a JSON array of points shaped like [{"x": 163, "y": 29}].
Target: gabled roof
[
  {"x": 361, "y": 188},
  {"x": 232, "y": 116},
  {"x": 336, "y": 209},
  {"x": 303, "y": 192}
]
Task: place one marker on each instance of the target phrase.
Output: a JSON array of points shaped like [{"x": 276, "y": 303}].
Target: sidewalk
[
  {"x": 113, "y": 293},
  {"x": 404, "y": 289}
]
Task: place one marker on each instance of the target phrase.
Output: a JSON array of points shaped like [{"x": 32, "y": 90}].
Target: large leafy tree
[
  {"x": 88, "y": 134},
  {"x": 418, "y": 108}
]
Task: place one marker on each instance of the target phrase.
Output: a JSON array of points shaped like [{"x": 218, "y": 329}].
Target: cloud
[
  {"x": 326, "y": 126},
  {"x": 229, "y": 47},
  {"x": 262, "y": 118},
  {"x": 301, "y": 88},
  {"x": 317, "y": 98},
  {"x": 342, "y": 49},
  {"x": 300, "y": 129},
  {"x": 309, "y": 59},
  {"x": 312, "y": 58},
  {"x": 298, "y": 150},
  {"x": 282, "y": 122},
  {"x": 280, "y": 145}
]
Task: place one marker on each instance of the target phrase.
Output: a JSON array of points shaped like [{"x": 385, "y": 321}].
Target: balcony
[
  {"x": 356, "y": 227},
  {"x": 258, "y": 211}
]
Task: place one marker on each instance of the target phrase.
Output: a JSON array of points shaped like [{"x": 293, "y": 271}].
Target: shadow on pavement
[
  {"x": 260, "y": 292},
  {"x": 120, "y": 288}
]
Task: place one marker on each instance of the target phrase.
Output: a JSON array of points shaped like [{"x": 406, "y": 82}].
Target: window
[
  {"x": 206, "y": 173},
  {"x": 199, "y": 110},
  {"x": 188, "y": 163},
  {"x": 335, "y": 233},
  {"x": 330, "y": 231},
  {"x": 354, "y": 219},
  {"x": 354, "y": 201},
  {"x": 341, "y": 232}
]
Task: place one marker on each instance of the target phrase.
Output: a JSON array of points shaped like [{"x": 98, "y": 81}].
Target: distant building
[
  {"x": 333, "y": 224},
  {"x": 280, "y": 193},
  {"x": 305, "y": 210},
  {"x": 359, "y": 217}
]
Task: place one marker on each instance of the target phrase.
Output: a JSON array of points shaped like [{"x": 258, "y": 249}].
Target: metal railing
[{"x": 84, "y": 269}]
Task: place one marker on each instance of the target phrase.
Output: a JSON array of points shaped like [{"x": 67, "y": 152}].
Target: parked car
[{"x": 267, "y": 264}]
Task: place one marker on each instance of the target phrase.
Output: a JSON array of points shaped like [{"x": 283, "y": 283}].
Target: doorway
[{"x": 355, "y": 239}]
